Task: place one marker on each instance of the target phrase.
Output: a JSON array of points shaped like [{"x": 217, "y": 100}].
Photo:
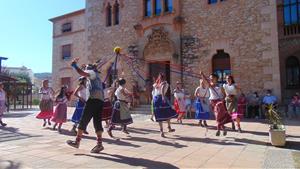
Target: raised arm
[{"x": 79, "y": 70}]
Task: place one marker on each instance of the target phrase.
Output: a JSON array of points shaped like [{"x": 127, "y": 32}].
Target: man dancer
[{"x": 93, "y": 108}]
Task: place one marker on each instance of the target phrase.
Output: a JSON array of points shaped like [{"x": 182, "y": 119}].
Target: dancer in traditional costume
[
  {"x": 93, "y": 108},
  {"x": 241, "y": 109},
  {"x": 231, "y": 91},
  {"x": 60, "y": 112},
  {"x": 82, "y": 94},
  {"x": 202, "y": 103},
  {"x": 3, "y": 107},
  {"x": 179, "y": 102},
  {"x": 162, "y": 108},
  {"x": 107, "y": 106},
  {"x": 121, "y": 113},
  {"x": 217, "y": 103},
  {"x": 46, "y": 103}
]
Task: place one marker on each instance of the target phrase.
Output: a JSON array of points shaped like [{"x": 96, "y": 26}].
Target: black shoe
[
  {"x": 171, "y": 130},
  {"x": 218, "y": 133},
  {"x": 162, "y": 134},
  {"x": 224, "y": 132},
  {"x": 233, "y": 127},
  {"x": 110, "y": 133},
  {"x": 74, "y": 144},
  {"x": 49, "y": 123},
  {"x": 205, "y": 124},
  {"x": 85, "y": 132},
  {"x": 97, "y": 149},
  {"x": 45, "y": 123},
  {"x": 73, "y": 130},
  {"x": 239, "y": 130},
  {"x": 3, "y": 124},
  {"x": 125, "y": 131}
]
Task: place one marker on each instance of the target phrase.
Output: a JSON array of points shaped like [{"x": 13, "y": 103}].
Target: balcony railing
[{"x": 291, "y": 30}]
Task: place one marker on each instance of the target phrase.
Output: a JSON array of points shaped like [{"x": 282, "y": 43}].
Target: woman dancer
[
  {"x": 60, "y": 112},
  {"x": 231, "y": 91},
  {"x": 241, "y": 109},
  {"x": 202, "y": 103},
  {"x": 121, "y": 114},
  {"x": 217, "y": 103},
  {"x": 107, "y": 105},
  {"x": 179, "y": 102},
  {"x": 82, "y": 94},
  {"x": 46, "y": 103},
  {"x": 162, "y": 107},
  {"x": 2, "y": 103}
]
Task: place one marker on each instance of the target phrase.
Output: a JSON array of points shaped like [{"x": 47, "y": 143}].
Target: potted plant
[{"x": 277, "y": 132}]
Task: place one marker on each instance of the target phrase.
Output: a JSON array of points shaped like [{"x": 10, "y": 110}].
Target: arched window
[
  {"x": 221, "y": 65},
  {"x": 158, "y": 7},
  {"x": 148, "y": 8},
  {"x": 292, "y": 72},
  {"x": 116, "y": 13},
  {"x": 168, "y": 5},
  {"x": 291, "y": 12},
  {"x": 108, "y": 15}
]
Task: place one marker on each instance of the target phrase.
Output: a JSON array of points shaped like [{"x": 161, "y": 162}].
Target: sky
[{"x": 26, "y": 32}]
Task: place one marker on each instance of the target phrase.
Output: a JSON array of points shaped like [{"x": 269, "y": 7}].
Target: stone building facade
[
  {"x": 69, "y": 42},
  {"x": 244, "y": 38}
]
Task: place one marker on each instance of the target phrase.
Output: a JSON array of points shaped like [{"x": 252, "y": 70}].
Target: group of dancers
[{"x": 110, "y": 104}]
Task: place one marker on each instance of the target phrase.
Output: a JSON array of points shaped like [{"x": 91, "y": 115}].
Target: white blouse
[
  {"x": 46, "y": 94},
  {"x": 230, "y": 89},
  {"x": 119, "y": 94},
  {"x": 84, "y": 93},
  {"x": 202, "y": 92},
  {"x": 157, "y": 90},
  {"x": 215, "y": 93}
]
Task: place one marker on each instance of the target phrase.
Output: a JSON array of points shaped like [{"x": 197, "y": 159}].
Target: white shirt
[
  {"x": 119, "y": 94},
  {"x": 158, "y": 89},
  {"x": 215, "y": 93},
  {"x": 230, "y": 89},
  {"x": 84, "y": 93},
  {"x": 46, "y": 94},
  {"x": 179, "y": 94},
  {"x": 202, "y": 92}
]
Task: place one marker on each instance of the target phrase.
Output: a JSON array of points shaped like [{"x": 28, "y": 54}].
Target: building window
[
  {"x": 66, "y": 81},
  {"x": 293, "y": 72},
  {"x": 291, "y": 11},
  {"x": 158, "y": 7},
  {"x": 67, "y": 27},
  {"x": 116, "y": 13},
  {"x": 168, "y": 5},
  {"x": 221, "y": 65},
  {"x": 212, "y": 1},
  {"x": 148, "y": 9},
  {"x": 66, "y": 52},
  {"x": 108, "y": 15}
]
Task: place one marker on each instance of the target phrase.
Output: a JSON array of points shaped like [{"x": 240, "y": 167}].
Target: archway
[{"x": 221, "y": 65}]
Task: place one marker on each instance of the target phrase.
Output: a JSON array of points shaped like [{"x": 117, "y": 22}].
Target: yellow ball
[{"x": 117, "y": 49}]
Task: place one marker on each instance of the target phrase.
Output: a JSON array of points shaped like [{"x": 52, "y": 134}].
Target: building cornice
[{"x": 79, "y": 12}]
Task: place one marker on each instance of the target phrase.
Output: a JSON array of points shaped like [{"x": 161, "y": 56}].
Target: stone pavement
[{"x": 25, "y": 144}]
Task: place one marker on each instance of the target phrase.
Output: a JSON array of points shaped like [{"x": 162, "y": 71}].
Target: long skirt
[
  {"x": 240, "y": 112},
  {"x": 2, "y": 108},
  {"x": 78, "y": 112},
  {"x": 46, "y": 107},
  {"x": 162, "y": 109},
  {"x": 60, "y": 113},
  {"x": 221, "y": 114},
  {"x": 121, "y": 114},
  {"x": 180, "y": 106},
  {"x": 107, "y": 110},
  {"x": 231, "y": 104},
  {"x": 202, "y": 109}
]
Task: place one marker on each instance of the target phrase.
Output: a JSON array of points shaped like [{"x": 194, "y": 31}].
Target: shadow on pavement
[
  {"x": 8, "y": 164},
  {"x": 142, "y": 131},
  {"x": 16, "y": 115},
  {"x": 12, "y": 134},
  {"x": 148, "y": 140},
  {"x": 292, "y": 145},
  {"x": 207, "y": 140},
  {"x": 132, "y": 161}
]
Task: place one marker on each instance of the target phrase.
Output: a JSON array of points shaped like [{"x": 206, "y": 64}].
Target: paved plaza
[{"x": 24, "y": 144}]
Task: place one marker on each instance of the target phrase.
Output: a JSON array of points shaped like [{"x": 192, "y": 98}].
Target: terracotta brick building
[{"x": 257, "y": 41}]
